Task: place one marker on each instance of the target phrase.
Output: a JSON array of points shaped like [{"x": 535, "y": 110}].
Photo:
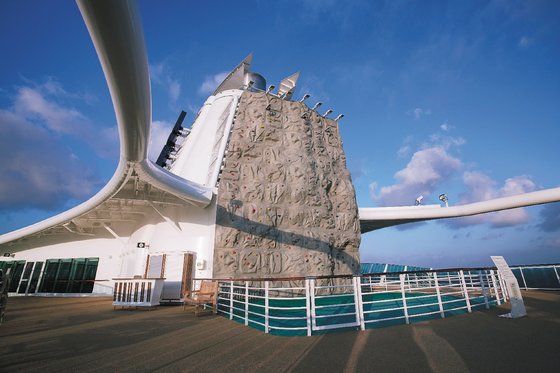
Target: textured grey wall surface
[{"x": 286, "y": 204}]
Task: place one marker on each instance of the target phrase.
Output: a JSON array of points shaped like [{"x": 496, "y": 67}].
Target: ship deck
[{"x": 87, "y": 335}]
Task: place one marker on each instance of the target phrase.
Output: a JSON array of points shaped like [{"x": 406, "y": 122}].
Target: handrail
[{"x": 258, "y": 279}]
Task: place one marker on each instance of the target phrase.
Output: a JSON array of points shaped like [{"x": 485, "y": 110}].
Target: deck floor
[{"x": 87, "y": 335}]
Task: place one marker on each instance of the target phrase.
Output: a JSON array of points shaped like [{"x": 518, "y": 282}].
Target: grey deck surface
[{"x": 86, "y": 334}]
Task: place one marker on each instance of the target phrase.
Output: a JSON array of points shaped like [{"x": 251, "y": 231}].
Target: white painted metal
[
  {"x": 137, "y": 292},
  {"x": 266, "y": 307},
  {"x": 495, "y": 287},
  {"x": 231, "y": 300},
  {"x": 308, "y": 306},
  {"x": 202, "y": 152},
  {"x": 523, "y": 278},
  {"x": 357, "y": 281},
  {"x": 457, "y": 294},
  {"x": 438, "y": 293},
  {"x": 246, "y": 303},
  {"x": 405, "y": 310},
  {"x": 484, "y": 293},
  {"x": 312, "y": 298},
  {"x": 517, "y": 305},
  {"x": 389, "y": 216},
  {"x": 464, "y": 285}
]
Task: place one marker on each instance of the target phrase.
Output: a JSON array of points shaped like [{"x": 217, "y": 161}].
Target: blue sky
[{"x": 461, "y": 98}]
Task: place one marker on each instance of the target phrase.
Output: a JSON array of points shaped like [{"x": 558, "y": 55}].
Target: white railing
[
  {"x": 304, "y": 305},
  {"x": 137, "y": 292}
]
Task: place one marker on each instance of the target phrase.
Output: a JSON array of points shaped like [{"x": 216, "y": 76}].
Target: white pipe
[{"x": 392, "y": 215}]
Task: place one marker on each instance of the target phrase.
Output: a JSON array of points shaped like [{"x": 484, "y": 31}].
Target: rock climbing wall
[{"x": 286, "y": 204}]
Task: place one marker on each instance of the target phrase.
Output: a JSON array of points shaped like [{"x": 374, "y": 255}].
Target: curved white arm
[
  {"x": 116, "y": 31},
  {"x": 380, "y": 217}
]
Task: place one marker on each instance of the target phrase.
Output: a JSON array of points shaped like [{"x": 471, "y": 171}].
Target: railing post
[
  {"x": 483, "y": 287},
  {"x": 464, "y": 284},
  {"x": 369, "y": 279},
  {"x": 556, "y": 271},
  {"x": 401, "y": 277},
  {"x": 308, "y": 305},
  {"x": 503, "y": 286},
  {"x": 523, "y": 278},
  {"x": 231, "y": 300},
  {"x": 312, "y": 299},
  {"x": 440, "y": 303},
  {"x": 407, "y": 278},
  {"x": 383, "y": 278},
  {"x": 495, "y": 286},
  {"x": 266, "y": 303},
  {"x": 246, "y": 302},
  {"x": 358, "y": 301}
]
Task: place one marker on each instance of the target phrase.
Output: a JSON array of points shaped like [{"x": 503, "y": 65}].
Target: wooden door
[{"x": 186, "y": 283}]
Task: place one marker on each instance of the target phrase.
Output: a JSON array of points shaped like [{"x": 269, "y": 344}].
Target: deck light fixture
[
  {"x": 305, "y": 97},
  {"x": 443, "y": 198},
  {"x": 317, "y": 106}
]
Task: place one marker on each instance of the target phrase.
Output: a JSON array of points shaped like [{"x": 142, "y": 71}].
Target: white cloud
[
  {"x": 31, "y": 103},
  {"x": 404, "y": 150},
  {"x": 445, "y": 141},
  {"x": 162, "y": 76},
  {"x": 210, "y": 83},
  {"x": 159, "y": 133},
  {"x": 420, "y": 112},
  {"x": 39, "y": 105},
  {"x": 174, "y": 91},
  {"x": 40, "y": 134},
  {"x": 423, "y": 174},
  {"x": 446, "y": 127},
  {"x": 432, "y": 165},
  {"x": 37, "y": 169},
  {"x": 481, "y": 187},
  {"x": 525, "y": 42}
]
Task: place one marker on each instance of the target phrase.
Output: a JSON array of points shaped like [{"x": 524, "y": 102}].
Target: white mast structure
[{"x": 150, "y": 214}]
